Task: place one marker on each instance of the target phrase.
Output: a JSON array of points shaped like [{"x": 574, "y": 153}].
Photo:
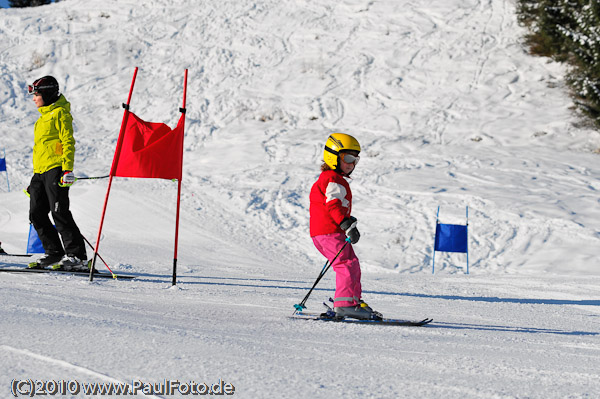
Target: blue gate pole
[
  {"x": 434, "y": 238},
  {"x": 6, "y": 171},
  {"x": 28, "y": 237},
  {"x": 467, "y": 228}
]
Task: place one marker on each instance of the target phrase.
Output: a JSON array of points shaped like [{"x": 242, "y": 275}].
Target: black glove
[{"x": 349, "y": 226}]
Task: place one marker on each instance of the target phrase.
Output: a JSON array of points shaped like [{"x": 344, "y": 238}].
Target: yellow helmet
[{"x": 336, "y": 143}]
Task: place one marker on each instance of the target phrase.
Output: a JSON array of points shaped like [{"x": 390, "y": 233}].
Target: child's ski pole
[{"x": 301, "y": 306}]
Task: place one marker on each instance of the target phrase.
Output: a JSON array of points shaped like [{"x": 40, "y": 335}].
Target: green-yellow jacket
[{"x": 53, "y": 141}]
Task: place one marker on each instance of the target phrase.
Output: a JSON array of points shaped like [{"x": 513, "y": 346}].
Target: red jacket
[{"x": 330, "y": 203}]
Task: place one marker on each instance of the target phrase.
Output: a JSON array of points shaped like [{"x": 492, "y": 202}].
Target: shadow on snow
[{"x": 256, "y": 283}]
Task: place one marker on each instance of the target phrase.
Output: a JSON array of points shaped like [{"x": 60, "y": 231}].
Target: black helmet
[{"x": 47, "y": 87}]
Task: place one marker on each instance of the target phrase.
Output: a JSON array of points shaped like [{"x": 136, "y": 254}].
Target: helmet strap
[{"x": 337, "y": 154}]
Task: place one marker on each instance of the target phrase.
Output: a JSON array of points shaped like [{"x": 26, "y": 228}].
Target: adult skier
[
  {"x": 53, "y": 159},
  {"x": 331, "y": 222}
]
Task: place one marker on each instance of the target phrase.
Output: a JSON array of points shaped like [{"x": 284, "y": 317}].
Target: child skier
[{"x": 331, "y": 222}]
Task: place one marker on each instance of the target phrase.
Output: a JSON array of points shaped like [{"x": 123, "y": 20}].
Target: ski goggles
[
  {"x": 32, "y": 89},
  {"x": 349, "y": 158}
]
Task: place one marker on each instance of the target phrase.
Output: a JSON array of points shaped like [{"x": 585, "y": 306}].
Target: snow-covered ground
[{"x": 450, "y": 110}]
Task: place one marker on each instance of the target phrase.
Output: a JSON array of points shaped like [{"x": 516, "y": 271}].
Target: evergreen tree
[
  {"x": 27, "y": 3},
  {"x": 569, "y": 30},
  {"x": 585, "y": 44}
]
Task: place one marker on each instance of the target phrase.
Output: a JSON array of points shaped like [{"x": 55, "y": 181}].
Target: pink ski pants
[{"x": 346, "y": 266}]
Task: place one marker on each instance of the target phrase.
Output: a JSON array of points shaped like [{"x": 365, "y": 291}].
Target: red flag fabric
[{"x": 151, "y": 150}]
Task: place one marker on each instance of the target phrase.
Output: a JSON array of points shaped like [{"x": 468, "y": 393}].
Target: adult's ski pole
[
  {"x": 25, "y": 190},
  {"x": 83, "y": 178},
  {"x": 301, "y": 306},
  {"x": 91, "y": 177},
  {"x": 105, "y": 264}
]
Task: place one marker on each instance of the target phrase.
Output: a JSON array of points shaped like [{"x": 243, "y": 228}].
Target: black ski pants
[{"x": 46, "y": 196}]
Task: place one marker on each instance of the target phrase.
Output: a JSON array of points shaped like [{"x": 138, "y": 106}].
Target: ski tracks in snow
[
  {"x": 60, "y": 367},
  {"x": 438, "y": 94}
]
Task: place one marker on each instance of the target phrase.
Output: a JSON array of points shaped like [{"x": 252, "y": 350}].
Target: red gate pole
[
  {"x": 183, "y": 110},
  {"x": 113, "y": 171}
]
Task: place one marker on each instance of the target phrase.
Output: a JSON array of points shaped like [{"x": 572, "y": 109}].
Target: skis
[
  {"x": 75, "y": 273},
  {"x": 2, "y": 252},
  {"x": 383, "y": 322}
]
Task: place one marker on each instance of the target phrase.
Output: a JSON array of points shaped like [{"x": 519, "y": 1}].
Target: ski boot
[
  {"x": 329, "y": 312},
  {"x": 72, "y": 263},
  {"x": 362, "y": 311},
  {"x": 45, "y": 260}
]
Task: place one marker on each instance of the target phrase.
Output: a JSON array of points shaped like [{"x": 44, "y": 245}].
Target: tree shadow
[
  {"x": 529, "y": 330},
  {"x": 534, "y": 301},
  {"x": 258, "y": 283}
]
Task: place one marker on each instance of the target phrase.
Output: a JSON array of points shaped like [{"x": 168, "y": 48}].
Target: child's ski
[{"x": 384, "y": 321}]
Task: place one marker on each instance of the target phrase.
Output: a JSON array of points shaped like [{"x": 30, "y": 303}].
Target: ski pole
[
  {"x": 77, "y": 178},
  {"x": 81, "y": 178},
  {"x": 105, "y": 264},
  {"x": 301, "y": 306},
  {"x": 91, "y": 177}
]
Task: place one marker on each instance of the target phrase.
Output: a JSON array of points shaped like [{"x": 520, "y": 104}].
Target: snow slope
[{"x": 450, "y": 111}]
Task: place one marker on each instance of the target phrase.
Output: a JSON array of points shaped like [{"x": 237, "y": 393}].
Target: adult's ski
[
  {"x": 384, "y": 321},
  {"x": 5, "y": 254},
  {"x": 72, "y": 272}
]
